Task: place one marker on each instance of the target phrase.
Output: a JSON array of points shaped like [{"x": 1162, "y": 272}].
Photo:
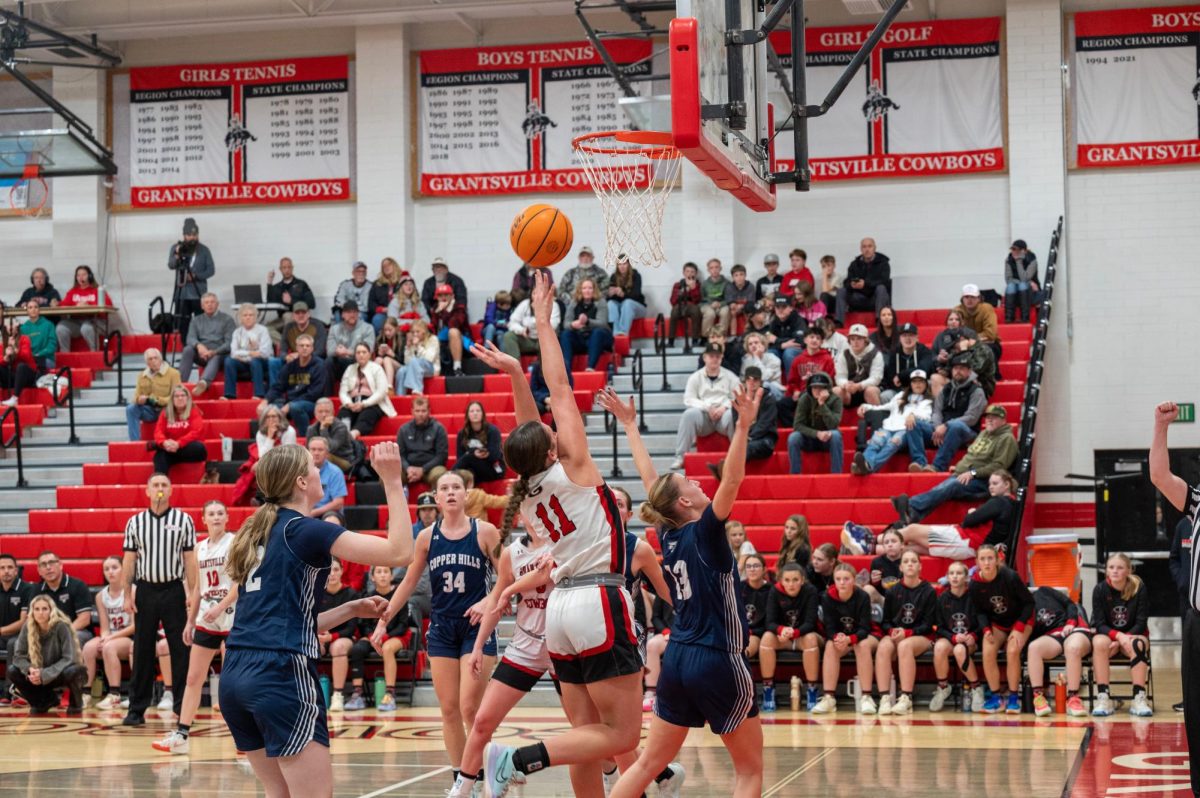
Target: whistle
[{"x": 160, "y": 494}]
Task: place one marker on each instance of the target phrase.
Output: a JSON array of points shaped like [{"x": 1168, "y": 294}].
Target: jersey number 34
[{"x": 565, "y": 525}]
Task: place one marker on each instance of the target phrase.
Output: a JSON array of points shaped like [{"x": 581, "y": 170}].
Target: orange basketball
[{"x": 541, "y": 235}]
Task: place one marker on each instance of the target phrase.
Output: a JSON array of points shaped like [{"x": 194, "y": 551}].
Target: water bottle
[
  {"x": 380, "y": 689},
  {"x": 854, "y": 690},
  {"x": 100, "y": 296},
  {"x": 795, "y": 695},
  {"x": 214, "y": 690},
  {"x": 965, "y": 704},
  {"x": 1060, "y": 694},
  {"x": 326, "y": 686},
  {"x": 226, "y": 448}
]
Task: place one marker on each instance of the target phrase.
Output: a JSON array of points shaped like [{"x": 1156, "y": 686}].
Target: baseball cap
[
  {"x": 358, "y": 265},
  {"x": 918, "y": 374},
  {"x": 586, "y": 250},
  {"x": 771, "y": 258},
  {"x": 1020, "y": 244},
  {"x": 970, "y": 289},
  {"x": 781, "y": 301},
  {"x": 439, "y": 262},
  {"x": 299, "y": 306},
  {"x": 444, "y": 288},
  {"x": 961, "y": 359},
  {"x": 349, "y": 304},
  {"x": 908, "y": 328},
  {"x": 426, "y": 500},
  {"x": 859, "y": 330},
  {"x": 752, "y": 373},
  {"x": 714, "y": 349},
  {"x": 996, "y": 410}
]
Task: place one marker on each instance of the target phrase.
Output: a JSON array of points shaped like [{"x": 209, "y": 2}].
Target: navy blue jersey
[
  {"x": 459, "y": 573},
  {"x": 703, "y": 572},
  {"x": 279, "y": 602},
  {"x": 632, "y": 580}
]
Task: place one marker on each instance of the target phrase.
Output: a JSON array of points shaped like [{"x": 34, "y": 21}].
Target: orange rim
[{"x": 653, "y": 143}]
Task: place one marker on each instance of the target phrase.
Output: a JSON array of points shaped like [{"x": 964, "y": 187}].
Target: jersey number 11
[{"x": 566, "y": 525}]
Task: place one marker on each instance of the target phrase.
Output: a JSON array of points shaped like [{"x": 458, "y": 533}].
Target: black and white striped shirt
[
  {"x": 1193, "y": 513},
  {"x": 160, "y": 541}
]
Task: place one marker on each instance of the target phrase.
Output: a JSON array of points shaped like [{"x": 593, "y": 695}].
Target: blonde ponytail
[
  {"x": 659, "y": 507},
  {"x": 276, "y": 474}
]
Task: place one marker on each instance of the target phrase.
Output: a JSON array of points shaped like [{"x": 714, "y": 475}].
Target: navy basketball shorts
[
  {"x": 271, "y": 700},
  {"x": 683, "y": 701},
  {"x": 455, "y": 638}
]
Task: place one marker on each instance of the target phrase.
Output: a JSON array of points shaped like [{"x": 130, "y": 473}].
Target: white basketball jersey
[
  {"x": 118, "y": 619},
  {"x": 528, "y": 644},
  {"x": 215, "y": 583},
  {"x": 582, "y": 524}
]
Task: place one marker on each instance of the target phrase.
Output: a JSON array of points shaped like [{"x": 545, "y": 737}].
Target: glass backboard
[{"x": 49, "y": 153}]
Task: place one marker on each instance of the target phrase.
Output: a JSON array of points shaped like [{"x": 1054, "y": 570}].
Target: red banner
[
  {"x": 927, "y": 102},
  {"x": 500, "y": 120},
  {"x": 229, "y": 134},
  {"x": 1137, "y": 91}
]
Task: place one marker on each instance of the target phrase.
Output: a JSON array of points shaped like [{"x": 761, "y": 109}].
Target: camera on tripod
[{"x": 184, "y": 249}]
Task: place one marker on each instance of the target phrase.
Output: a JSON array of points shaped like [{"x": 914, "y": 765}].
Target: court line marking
[
  {"x": 798, "y": 772},
  {"x": 406, "y": 782},
  {"x": 1077, "y": 765}
]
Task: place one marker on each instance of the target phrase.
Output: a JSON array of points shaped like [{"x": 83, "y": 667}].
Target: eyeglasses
[
  {"x": 752, "y": 565},
  {"x": 48, "y": 563}
]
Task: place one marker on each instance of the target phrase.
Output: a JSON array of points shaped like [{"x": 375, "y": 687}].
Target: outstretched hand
[
  {"x": 1166, "y": 413},
  {"x": 622, "y": 412},
  {"x": 542, "y": 300},
  {"x": 496, "y": 358},
  {"x": 370, "y": 607},
  {"x": 746, "y": 405},
  {"x": 385, "y": 459}
]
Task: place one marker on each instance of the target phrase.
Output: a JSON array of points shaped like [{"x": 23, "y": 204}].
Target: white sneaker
[
  {"x": 670, "y": 787},
  {"x": 337, "y": 701},
  {"x": 1102, "y": 707},
  {"x": 1140, "y": 707},
  {"x": 610, "y": 780},
  {"x": 461, "y": 789},
  {"x": 866, "y": 705},
  {"x": 939, "y": 698},
  {"x": 167, "y": 702},
  {"x": 10, "y": 401},
  {"x": 110, "y": 701},
  {"x": 978, "y": 698},
  {"x": 825, "y": 705},
  {"x": 885, "y": 704},
  {"x": 676, "y": 464},
  {"x": 903, "y": 706},
  {"x": 173, "y": 743}
]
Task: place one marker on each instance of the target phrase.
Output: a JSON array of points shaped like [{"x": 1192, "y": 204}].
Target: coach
[
  {"x": 1186, "y": 499},
  {"x": 160, "y": 551}
]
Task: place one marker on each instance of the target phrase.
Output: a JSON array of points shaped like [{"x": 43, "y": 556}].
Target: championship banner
[
  {"x": 231, "y": 134},
  {"x": 926, "y": 103},
  {"x": 1137, "y": 87},
  {"x": 500, "y": 120}
]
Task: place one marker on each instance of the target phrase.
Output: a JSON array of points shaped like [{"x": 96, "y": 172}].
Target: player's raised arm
[
  {"x": 626, "y": 415},
  {"x": 746, "y": 406},
  {"x": 525, "y": 406},
  {"x": 397, "y": 549}
]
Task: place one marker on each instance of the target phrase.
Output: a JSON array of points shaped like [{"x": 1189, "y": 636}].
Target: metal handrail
[
  {"x": 15, "y": 439},
  {"x": 1028, "y": 436},
  {"x": 116, "y": 359},
  {"x": 639, "y": 380},
  {"x": 660, "y": 347},
  {"x": 610, "y": 423},
  {"x": 69, "y": 401}
]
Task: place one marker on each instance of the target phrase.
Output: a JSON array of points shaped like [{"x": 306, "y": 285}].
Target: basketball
[{"x": 541, "y": 235}]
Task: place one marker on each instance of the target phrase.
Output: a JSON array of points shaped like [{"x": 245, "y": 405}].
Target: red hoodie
[
  {"x": 184, "y": 430},
  {"x": 806, "y": 365},
  {"x": 792, "y": 278},
  {"x": 24, "y": 352}
]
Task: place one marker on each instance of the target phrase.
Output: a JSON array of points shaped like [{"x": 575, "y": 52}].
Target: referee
[
  {"x": 160, "y": 550},
  {"x": 1186, "y": 499}
]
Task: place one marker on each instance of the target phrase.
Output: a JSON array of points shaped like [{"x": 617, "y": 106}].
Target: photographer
[{"x": 193, "y": 264}]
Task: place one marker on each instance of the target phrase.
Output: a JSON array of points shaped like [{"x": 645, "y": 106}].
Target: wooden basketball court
[{"x": 401, "y": 754}]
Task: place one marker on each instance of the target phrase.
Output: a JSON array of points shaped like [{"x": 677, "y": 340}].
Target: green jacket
[
  {"x": 813, "y": 417},
  {"x": 989, "y": 452},
  {"x": 713, "y": 290},
  {"x": 983, "y": 363},
  {"x": 42, "y": 339}
]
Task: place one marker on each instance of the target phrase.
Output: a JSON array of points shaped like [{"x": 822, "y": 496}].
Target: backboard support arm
[{"x": 800, "y": 175}]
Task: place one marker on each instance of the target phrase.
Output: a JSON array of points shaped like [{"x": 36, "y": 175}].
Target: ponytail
[
  {"x": 276, "y": 475},
  {"x": 659, "y": 507},
  {"x": 243, "y": 552},
  {"x": 520, "y": 490},
  {"x": 1133, "y": 583}
]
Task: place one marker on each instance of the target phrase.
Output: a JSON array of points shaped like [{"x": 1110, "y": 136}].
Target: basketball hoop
[
  {"x": 632, "y": 172},
  {"x": 29, "y": 193}
]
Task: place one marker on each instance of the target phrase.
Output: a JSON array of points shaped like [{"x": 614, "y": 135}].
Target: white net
[{"x": 633, "y": 174}]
